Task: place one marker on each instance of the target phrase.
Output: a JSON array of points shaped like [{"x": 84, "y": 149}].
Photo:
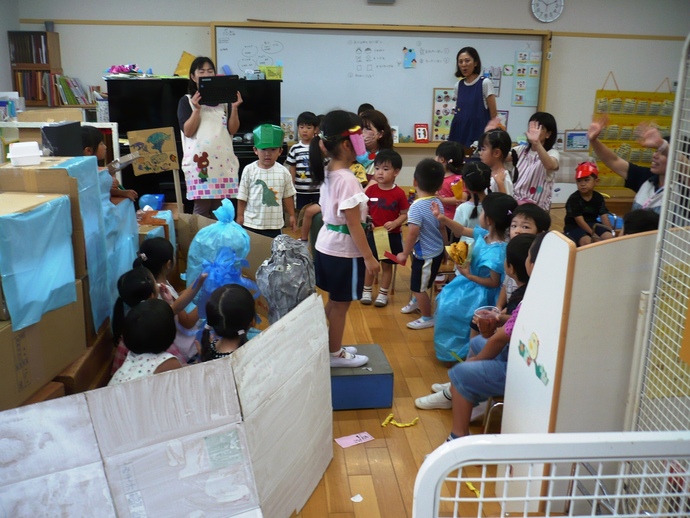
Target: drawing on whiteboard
[
  {"x": 249, "y": 51},
  {"x": 409, "y": 58},
  {"x": 271, "y": 47}
]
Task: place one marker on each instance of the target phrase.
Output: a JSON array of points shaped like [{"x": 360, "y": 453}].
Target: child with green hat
[{"x": 266, "y": 186}]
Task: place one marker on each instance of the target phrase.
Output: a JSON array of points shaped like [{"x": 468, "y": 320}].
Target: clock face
[{"x": 547, "y": 10}]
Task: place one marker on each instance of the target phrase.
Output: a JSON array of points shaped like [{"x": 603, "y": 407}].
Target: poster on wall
[
  {"x": 526, "y": 77},
  {"x": 442, "y": 116},
  {"x": 621, "y": 112}
]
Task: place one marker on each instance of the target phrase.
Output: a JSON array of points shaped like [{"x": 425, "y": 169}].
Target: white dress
[{"x": 138, "y": 366}]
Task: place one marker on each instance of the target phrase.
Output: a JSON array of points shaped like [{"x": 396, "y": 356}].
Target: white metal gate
[{"x": 587, "y": 474}]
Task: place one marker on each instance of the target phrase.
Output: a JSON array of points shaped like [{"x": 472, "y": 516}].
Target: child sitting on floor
[
  {"x": 230, "y": 313},
  {"x": 149, "y": 330}
]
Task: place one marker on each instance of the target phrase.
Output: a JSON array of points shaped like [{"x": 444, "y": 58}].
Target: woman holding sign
[
  {"x": 210, "y": 166},
  {"x": 475, "y": 100}
]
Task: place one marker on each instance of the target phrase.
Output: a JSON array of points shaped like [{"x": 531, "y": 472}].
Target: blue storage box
[{"x": 355, "y": 388}]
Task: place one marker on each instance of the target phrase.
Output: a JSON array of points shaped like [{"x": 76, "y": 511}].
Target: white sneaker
[
  {"x": 439, "y": 387},
  {"x": 420, "y": 323},
  {"x": 347, "y": 359},
  {"x": 381, "y": 300},
  {"x": 350, "y": 349},
  {"x": 478, "y": 411},
  {"x": 432, "y": 401},
  {"x": 366, "y": 298},
  {"x": 411, "y": 307}
]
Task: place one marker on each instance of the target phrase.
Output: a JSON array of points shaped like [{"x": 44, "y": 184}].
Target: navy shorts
[
  {"x": 424, "y": 272},
  {"x": 341, "y": 277},
  {"x": 577, "y": 233},
  {"x": 304, "y": 199},
  {"x": 394, "y": 241}
]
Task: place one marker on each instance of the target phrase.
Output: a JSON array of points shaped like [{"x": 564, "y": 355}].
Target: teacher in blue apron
[
  {"x": 475, "y": 102},
  {"x": 210, "y": 166}
]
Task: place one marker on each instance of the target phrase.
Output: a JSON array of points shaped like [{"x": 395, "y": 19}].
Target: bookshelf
[{"x": 35, "y": 58}]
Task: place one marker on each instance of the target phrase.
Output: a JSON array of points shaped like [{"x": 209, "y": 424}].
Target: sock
[
  {"x": 452, "y": 436},
  {"x": 382, "y": 291},
  {"x": 337, "y": 353},
  {"x": 367, "y": 289},
  {"x": 446, "y": 393},
  {"x": 426, "y": 319}
]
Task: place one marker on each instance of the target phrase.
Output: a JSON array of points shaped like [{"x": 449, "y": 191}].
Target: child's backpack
[{"x": 287, "y": 277}]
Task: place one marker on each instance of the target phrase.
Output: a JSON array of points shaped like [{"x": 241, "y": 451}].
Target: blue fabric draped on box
[{"x": 37, "y": 261}]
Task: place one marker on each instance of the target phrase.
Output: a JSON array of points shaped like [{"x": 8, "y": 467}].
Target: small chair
[
  {"x": 447, "y": 270},
  {"x": 492, "y": 404}
]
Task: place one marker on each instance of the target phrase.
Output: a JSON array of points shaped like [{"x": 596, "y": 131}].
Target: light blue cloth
[
  {"x": 37, "y": 261},
  {"x": 121, "y": 233},
  {"x": 457, "y": 301},
  {"x": 110, "y": 233}
]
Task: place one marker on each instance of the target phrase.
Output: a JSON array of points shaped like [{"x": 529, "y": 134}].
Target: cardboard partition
[
  {"x": 288, "y": 416},
  {"x": 36, "y": 354},
  {"x": 51, "y": 463}
]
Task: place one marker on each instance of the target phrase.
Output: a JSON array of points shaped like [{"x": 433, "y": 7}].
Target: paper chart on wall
[{"x": 526, "y": 77}]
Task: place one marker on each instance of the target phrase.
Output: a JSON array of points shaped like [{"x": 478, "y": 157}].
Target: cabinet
[{"x": 34, "y": 56}]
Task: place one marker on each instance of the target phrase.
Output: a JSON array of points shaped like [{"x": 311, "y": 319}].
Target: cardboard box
[
  {"x": 150, "y": 231},
  {"x": 36, "y": 354},
  {"x": 51, "y": 115},
  {"x": 51, "y": 390},
  {"x": 87, "y": 370},
  {"x": 354, "y": 389},
  {"x": 47, "y": 178}
]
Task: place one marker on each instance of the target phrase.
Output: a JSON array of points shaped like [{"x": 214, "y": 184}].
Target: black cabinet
[{"x": 145, "y": 103}]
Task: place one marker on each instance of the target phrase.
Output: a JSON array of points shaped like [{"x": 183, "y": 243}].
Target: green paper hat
[{"x": 268, "y": 136}]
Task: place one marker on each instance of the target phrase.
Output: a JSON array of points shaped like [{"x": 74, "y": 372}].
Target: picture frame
[
  {"x": 421, "y": 133},
  {"x": 575, "y": 140}
]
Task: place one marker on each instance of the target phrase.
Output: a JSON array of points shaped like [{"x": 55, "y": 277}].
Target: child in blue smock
[{"x": 479, "y": 283}]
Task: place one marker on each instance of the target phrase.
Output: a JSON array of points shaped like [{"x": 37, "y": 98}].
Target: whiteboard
[{"x": 324, "y": 69}]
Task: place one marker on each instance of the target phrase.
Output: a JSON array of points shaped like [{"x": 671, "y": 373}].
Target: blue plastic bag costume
[
  {"x": 457, "y": 301},
  {"x": 220, "y": 250}
]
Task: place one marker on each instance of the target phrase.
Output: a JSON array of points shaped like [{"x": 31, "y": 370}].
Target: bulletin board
[{"x": 395, "y": 68}]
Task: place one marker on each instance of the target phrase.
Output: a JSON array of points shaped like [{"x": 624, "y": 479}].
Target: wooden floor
[{"x": 383, "y": 471}]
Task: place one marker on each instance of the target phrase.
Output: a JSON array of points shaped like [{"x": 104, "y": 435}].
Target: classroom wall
[
  {"x": 9, "y": 21},
  {"x": 583, "y": 50}
]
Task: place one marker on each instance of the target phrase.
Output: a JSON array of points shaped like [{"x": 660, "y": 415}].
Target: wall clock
[{"x": 547, "y": 10}]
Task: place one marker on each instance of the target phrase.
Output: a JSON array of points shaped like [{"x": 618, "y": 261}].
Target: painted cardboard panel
[
  {"x": 208, "y": 473},
  {"x": 81, "y": 491},
  {"x": 176, "y": 404},
  {"x": 50, "y": 460},
  {"x": 295, "y": 394}
]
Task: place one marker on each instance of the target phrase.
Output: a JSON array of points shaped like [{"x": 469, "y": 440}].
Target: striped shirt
[
  {"x": 430, "y": 242},
  {"x": 299, "y": 157}
]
